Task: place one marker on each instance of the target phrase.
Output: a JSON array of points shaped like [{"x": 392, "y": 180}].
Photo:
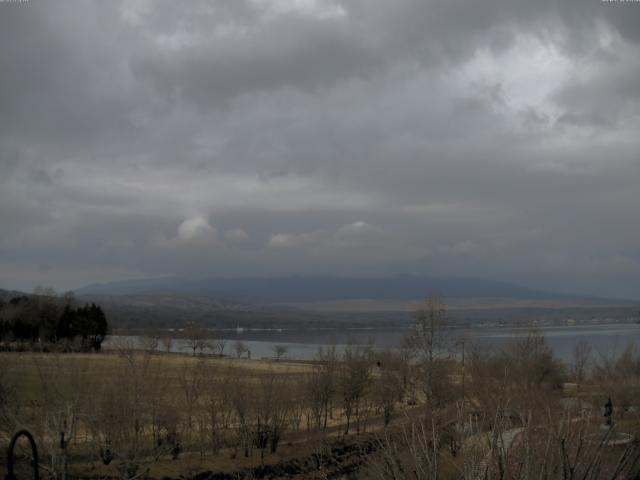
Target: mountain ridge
[{"x": 298, "y": 288}]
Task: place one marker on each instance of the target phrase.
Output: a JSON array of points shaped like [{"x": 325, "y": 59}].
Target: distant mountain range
[
  {"x": 324, "y": 301},
  {"x": 299, "y": 289}
]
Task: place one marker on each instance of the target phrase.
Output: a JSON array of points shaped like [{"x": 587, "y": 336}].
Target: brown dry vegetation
[
  {"x": 153, "y": 414},
  {"x": 412, "y": 413}
]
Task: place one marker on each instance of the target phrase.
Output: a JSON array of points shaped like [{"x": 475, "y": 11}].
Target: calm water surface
[{"x": 303, "y": 344}]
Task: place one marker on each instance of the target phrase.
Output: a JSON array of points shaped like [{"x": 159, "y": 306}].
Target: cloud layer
[{"x": 239, "y": 137}]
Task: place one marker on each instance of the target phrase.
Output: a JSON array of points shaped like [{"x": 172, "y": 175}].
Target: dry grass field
[
  {"x": 131, "y": 412},
  {"x": 25, "y": 371}
]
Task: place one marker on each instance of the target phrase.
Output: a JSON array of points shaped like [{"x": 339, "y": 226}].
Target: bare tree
[
  {"x": 216, "y": 411},
  {"x": 60, "y": 417},
  {"x": 241, "y": 404},
  {"x": 218, "y": 346},
  {"x": 388, "y": 385},
  {"x": 581, "y": 354},
  {"x": 150, "y": 343},
  {"x": 354, "y": 382},
  {"x": 429, "y": 338},
  {"x": 280, "y": 351},
  {"x": 124, "y": 413},
  {"x": 322, "y": 385},
  {"x": 271, "y": 409},
  {"x": 240, "y": 348},
  {"x": 192, "y": 383},
  {"x": 167, "y": 342},
  {"x": 196, "y": 337}
]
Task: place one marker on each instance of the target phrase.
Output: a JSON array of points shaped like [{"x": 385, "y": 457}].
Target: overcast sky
[{"x": 496, "y": 139}]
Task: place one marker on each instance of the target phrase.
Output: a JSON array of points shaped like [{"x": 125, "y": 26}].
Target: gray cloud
[{"x": 493, "y": 139}]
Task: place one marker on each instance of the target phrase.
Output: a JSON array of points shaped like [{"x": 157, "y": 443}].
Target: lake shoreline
[{"x": 606, "y": 338}]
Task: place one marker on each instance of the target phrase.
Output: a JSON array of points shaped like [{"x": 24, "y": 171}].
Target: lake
[{"x": 303, "y": 344}]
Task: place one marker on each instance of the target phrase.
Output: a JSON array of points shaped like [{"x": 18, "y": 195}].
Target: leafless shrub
[
  {"x": 618, "y": 377},
  {"x": 563, "y": 447},
  {"x": 521, "y": 377}
]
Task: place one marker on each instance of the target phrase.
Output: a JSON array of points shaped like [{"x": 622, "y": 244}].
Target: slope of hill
[
  {"x": 296, "y": 289},
  {"x": 8, "y": 294},
  {"x": 309, "y": 301},
  {"x": 143, "y": 311},
  {"x": 135, "y": 312},
  {"x": 173, "y": 310}
]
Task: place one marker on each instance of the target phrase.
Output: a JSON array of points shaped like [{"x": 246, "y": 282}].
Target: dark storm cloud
[{"x": 496, "y": 139}]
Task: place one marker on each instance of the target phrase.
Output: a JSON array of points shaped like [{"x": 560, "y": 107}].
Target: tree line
[{"x": 45, "y": 320}]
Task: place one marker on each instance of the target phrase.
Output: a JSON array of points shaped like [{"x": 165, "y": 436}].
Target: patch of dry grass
[{"x": 24, "y": 370}]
